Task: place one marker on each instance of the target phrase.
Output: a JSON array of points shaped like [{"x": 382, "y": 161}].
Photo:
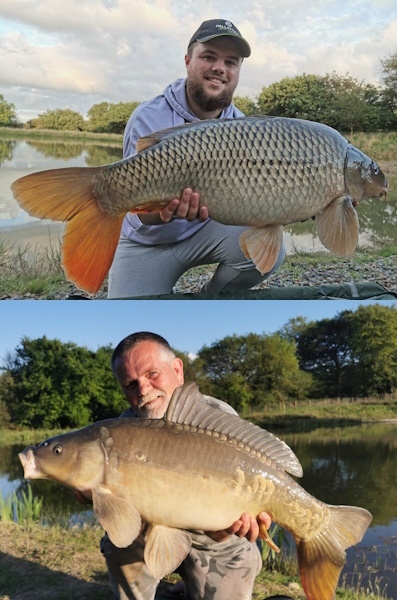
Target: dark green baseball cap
[{"x": 214, "y": 28}]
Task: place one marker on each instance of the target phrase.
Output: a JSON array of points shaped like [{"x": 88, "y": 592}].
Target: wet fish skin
[
  {"x": 172, "y": 473},
  {"x": 263, "y": 172}
]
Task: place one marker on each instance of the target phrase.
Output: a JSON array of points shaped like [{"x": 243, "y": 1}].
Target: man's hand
[
  {"x": 186, "y": 207},
  {"x": 246, "y": 526}
]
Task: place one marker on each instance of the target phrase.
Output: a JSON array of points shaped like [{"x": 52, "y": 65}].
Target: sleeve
[{"x": 149, "y": 116}]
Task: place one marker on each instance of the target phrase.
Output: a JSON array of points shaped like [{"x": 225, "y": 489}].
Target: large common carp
[
  {"x": 264, "y": 172},
  {"x": 198, "y": 468}
]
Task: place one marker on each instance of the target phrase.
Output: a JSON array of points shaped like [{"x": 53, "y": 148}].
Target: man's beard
[
  {"x": 206, "y": 102},
  {"x": 146, "y": 411}
]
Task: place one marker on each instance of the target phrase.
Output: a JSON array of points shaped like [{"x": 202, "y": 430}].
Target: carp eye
[{"x": 57, "y": 449}]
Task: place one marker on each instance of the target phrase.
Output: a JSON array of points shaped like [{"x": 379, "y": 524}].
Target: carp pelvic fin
[
  {"x": 165, "y": 549},
  {"x": 262, "y": 245},
  {"x": 91, "y": 235},
  {"x": 120, "y": 520},
  {"x": 337, "y": 226},
  {"x": 322, "y": 558}
]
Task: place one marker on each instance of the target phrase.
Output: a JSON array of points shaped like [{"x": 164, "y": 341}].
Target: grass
[
  {"x": 21, "y": 508},
  {"x": 380, "y": 146},
  {"x": 44, "y": 562},
  {"x": 31, "y": 270},
  {"x": 37, "y": 271},
  {"x": 328, "y": 412},
  {"x": 15, "y": 133}
]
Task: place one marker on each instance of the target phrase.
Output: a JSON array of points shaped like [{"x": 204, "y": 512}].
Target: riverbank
[
  {"x": 42, "y": 562},
  {"x": 44, "y": 278}
]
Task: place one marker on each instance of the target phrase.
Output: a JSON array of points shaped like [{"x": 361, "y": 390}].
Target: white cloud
[{"x": 76, "y": 53}]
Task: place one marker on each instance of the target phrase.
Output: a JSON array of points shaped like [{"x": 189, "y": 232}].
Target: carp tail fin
[
  {"x": 91, "y": 235},
  {"x": 322, "y": 558}
]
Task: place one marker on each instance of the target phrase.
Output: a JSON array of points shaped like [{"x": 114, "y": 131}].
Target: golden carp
[
  {"x": 199, "y": 468},
  {"x": 264, "y": 172}
]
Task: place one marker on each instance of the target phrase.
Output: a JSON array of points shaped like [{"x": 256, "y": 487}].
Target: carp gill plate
[
  {"x": 199, "y": 468},
  {"x": 262, "y": 172}
]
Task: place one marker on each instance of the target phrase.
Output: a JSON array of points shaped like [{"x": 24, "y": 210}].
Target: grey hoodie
[{"x": 167, "y": 110}]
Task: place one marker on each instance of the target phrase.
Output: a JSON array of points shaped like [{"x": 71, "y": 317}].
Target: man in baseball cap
[
  {"x": 184, "y": 235},
  {"x": 215, "y": 28}
]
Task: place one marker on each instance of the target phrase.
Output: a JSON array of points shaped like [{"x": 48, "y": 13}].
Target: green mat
[{"x": 345, "y": 291}]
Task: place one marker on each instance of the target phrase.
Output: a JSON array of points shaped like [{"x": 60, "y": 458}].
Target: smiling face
[
  {"x": 213, "y": 70},
  {"x": 149, "y": 375}
]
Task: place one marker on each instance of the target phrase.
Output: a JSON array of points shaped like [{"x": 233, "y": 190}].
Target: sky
[
  {"x": 77, "y": 53},
  {"x": 188, "y": 325}
]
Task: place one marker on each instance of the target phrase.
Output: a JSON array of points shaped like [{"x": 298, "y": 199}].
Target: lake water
[
  {"x": 355, "y": 465},
  {"x": 378, "y": 219}
]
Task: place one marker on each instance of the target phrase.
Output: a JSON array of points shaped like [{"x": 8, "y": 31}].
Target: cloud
[{"x": 74, "y": 54}]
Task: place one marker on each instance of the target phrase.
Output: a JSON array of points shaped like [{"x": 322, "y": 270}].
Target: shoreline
[{"x": 297, "y": 271}]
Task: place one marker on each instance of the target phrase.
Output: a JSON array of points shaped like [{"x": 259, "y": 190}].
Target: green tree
[
  {"x": 324, "y": 350},
  {"x": 389, "y": 75},
  {"x": 5, "y": 382},
  {"x": 8, "y": 115},
  {"x": 46, "y": 385},
  {"x": 304, "y": 97},
  {"x": 106, "y": 397},
  {"x": 53, "y": 384},
  {"x": 62, "y": 119},
  {"x": 261, "y": 368},
  {"x": 339, "y": 101},
  {"x": 347, "y": 108},
  {"x": 110, "y": 118},
  {"x": 247, "y": 105},
  {"x": 374, "y": 348}
]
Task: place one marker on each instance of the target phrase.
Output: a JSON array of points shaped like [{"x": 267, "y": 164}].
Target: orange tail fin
[
  {"x": 91, "y": 236},
  {"x": 322, "y": 558}
]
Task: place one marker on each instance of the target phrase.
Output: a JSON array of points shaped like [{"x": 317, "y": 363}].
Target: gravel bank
[{"x": 292, "y": 273}]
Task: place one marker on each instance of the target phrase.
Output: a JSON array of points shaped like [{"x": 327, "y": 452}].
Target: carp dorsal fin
[
  {"x": 154, "y": 138},
  {"x": 187, "y": 407}
]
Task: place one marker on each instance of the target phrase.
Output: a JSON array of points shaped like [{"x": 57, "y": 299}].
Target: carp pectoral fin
[
  {"x": 337, "y": 226},
  {"x": 165, "y": 549},
  {"x": 262, "y": 245},
  {"x": 120, "y": 520},
  {"x": 322, "y": 558},
  {"x": 91, "y": 235}
]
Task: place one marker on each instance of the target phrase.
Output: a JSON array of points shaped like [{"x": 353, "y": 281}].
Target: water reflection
[
  {"x": 354, "y": 465},
  {"x": 378, "y": 219},
  {"x": 21, "y": 157}
]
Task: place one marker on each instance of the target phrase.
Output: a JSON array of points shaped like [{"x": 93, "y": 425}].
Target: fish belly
[
  {"x": 188, "y": 500},
  {"x": 186, "y": 481},
  {"x": 248, "y": 172}
]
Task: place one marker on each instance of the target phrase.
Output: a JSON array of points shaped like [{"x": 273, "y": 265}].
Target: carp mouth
[{"x": 30, "y": 468}]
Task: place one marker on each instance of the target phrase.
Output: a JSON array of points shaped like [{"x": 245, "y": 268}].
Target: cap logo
[{"x": 227, "y": 26}]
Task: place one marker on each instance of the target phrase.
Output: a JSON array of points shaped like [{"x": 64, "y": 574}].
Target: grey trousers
[
  {"x": 140, "y": 270},
  {"x": 221, "y": 571}
]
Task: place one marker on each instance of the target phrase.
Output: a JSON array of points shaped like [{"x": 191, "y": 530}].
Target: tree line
[
  {"x": 48, "y": 383},
  {"x": 341, "y": 101}
]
